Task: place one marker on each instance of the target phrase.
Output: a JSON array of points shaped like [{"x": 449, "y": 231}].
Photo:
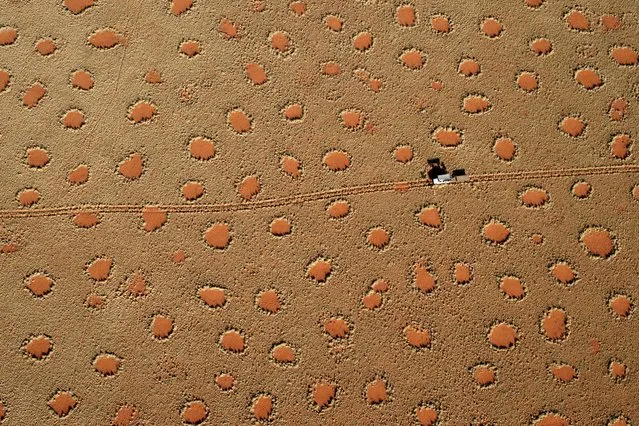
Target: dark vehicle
[{"x": 439, "y": 175}]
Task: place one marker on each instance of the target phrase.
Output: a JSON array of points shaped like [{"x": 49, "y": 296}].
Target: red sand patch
[
  {"x": 62, "y": 403},
  {"x": 535, "y": 197},
  {"x": 142, "y": 111},
  {"x": 86, "y": 219},
  {"x": 82, "y": 79},
  {"x": 337, "y": 328},
  {"x": 127, "y": 415},
  {"x": 620, "y": 146},
  {"x": 581, "y": 189},
  {"x": 462, "y": 273},
  {"x": 502, "y": 336},
  {"x": 426, "y": 415},
  {"x": 40, "y": 284},
  {"x": 598, "y": 242},
  {"x": 528, "y": 81},
  {"x": 291, "y": 166},
  {"x": 541, "y": 46},
  {"x": 8, "y": 35},
  {"x": 228, "y": 28},
  {"x": 105, "y": 39},
  {"x": 136, "y": 285},
  {"x": 423, "y": 278},
  {"x": 5, "y": 78},
  {"x": 297, "y": 7},
  {"x": 491, "y": 27},
  {"x": 213, "y": 297},
  {"x": 319, "y": 270},
  {"x": 283, "y": 354},
  {"x": 190, "y": 48},
  {"x": 352, "y": 119},
  {"x": 476, "y": 104},
  {"x": 161, "y": 327},
  {"x": 79, "y": 175},
  {"x": 28, "y": 197},
  {"x": 280, "y": 227},
  {"x": 405, "y": 15},
  {"x": 249, "y": 187},
  {"x": 233, "y": 341},
  {"x": 440, "y": 24},
  {"x": 447, "y": 136},
  {"x": 256, "y": 73},
  {"x": 378, "y": 237},
  {"x": 239, "y": 121},
  {"x": 73, "y": 119},
  {"x": 564, "y": 373},
  {"x": 262, "y": 407},
  {"x": 469, "y": 67},
  {"x": 178, "y": 7},
  {"x": 293, "y": 112},
  {"x": 372, "y": 300},
  {"x": 376, "y": 392},
  {"x": 192, "y": 190},
  {"x": 403, "y": 153},
  {"x": 484, "y": 375},
  {"x": 505, "y": 149},
  {"x": 153, "y": 218},
  {"x": 577, "y": 20},
  {"x": 194, "y": 412},
  {"x": 218, "y": 235},
  {"x": 563, "y": 273},
  {"x": 572, "y": 126},
  {"x": 412, "y": 59},
  {"x": 588, "y": 78},
  {"x": 336, "y": 160},
  {"x": 323, "y": 394},
  {"x": 618, "y": 109},
  {"x": 512, "y": 287},
  {"x": 363, "y": 41},
  {"x": 100, "y": 268},
  {"x": 33, "y": 95},
  {"x": 132, "y": 167},
  {"x": 280, "y": 42},
  {"x": 45, "y": 46},
  {"x": 334, "y": 23},
  {"x": 153, "y": 76},
  {"x": 417, "y": 336},
  {"x": 268, "y": 301},
  {"x": 107, "y": 364},
  {"x": 620, "y": 305},
  {"x": 554, "y": 325},
  {"x": 338, "y": 209},
  {"x": 37, "y": 157},
  {"x": 550, "y": 419},
  {"x": 39, "y": 347},
  {"x": 78, "y": 6},
  {"x": 617, "y": 370},
  {"x": 202, "y": 148},
  {"x": 624, "y": 55},
  {"x": 225, "y": 381},
  {"x": 496, "y": 232},
  {"x": 331, "y": 69}
]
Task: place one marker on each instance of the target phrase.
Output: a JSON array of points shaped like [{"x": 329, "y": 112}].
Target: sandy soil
[{"x": 172, "y": 249}]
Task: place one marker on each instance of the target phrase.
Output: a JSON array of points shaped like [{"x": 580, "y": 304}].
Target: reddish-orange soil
[{"x": 220, "y": 212}]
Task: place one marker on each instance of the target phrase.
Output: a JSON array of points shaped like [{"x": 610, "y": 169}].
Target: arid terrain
[{"x": 218, "y": 212}]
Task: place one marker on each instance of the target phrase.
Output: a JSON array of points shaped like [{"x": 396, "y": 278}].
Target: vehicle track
[{"x": 315, "y": 196}]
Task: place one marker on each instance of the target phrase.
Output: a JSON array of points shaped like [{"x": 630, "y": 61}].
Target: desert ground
[{"x": 217, "y": 212}]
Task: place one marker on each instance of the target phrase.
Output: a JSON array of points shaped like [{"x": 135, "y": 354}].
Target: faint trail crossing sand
[{"x": 319, "y": 195}]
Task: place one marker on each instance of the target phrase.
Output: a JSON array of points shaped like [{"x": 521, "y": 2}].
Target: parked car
[{"x": 439, "y": 175}]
